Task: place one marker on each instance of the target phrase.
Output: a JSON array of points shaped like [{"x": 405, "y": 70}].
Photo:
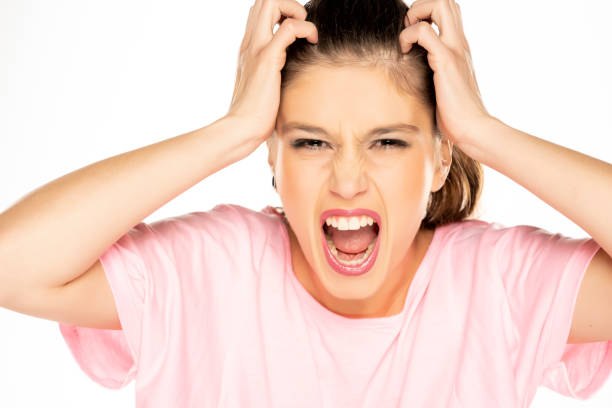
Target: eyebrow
[{"x": 380, "y": 130}]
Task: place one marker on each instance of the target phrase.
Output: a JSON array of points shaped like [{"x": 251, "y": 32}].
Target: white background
[{"x": 84, "y": 80}]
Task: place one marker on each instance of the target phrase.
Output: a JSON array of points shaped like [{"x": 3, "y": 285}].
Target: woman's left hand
[{"x": 459, "y": 104}]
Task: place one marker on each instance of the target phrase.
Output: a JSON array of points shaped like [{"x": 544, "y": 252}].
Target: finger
[
  {"x": 443, "y": 15},
  {"x": 248, "y": 30},
  {"x": 288, "y": 32},
  {"x": 423, "y": 34},
  {"x": 270, "y": 14},
  {"x": 459, "y": 20},
  {"x": 423, "y": 10}
]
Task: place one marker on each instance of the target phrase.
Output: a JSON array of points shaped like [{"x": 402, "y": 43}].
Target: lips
[
  {"x": 336, "y": 265},
  {"x": 350, "y": 270}
]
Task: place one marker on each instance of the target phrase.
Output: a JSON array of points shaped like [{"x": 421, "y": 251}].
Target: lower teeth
[{"x": 334, "y": 251}]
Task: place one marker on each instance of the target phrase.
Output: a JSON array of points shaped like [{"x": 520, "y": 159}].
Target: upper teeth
[{"x": 349, "y": 223}]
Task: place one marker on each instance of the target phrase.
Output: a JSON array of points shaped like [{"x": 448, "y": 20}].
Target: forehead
[{"x": 339, "y": 95}]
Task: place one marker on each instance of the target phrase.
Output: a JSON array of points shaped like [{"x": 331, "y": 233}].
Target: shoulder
[
  {"x": 219, "y": 233},
  {"x": 473, "y": 230},
  {"x": 221, "y": 220},
  {"x": 464, "y": 232},
  {"x": 479, "y": 236},
  {"x": 520, "y": 246}
]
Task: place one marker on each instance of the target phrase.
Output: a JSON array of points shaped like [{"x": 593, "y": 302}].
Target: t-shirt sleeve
[
  {"x": 542, "y": 273},
  {"x": 160, "y": 274},
  {"x": 110, "y": 357}
]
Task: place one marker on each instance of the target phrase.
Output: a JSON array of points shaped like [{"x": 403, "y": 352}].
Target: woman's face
[{"x": 390, "y": 173}]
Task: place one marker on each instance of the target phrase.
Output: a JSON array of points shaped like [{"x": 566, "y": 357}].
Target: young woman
[{"x": 373, "y": 285}]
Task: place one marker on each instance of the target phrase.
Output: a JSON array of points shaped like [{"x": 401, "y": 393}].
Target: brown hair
[{"x": 366, "y": 33}]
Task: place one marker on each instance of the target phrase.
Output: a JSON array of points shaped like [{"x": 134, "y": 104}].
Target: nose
[{"x": 348, "y": 178}]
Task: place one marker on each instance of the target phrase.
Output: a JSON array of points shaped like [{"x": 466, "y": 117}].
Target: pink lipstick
[{"x": 350, "y": 270}]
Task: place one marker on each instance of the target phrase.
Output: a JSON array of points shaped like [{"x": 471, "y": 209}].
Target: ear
[{"x": 444, "y": 159}]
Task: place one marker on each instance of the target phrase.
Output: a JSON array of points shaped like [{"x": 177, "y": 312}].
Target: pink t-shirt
[{"x": 213, "y": 316}]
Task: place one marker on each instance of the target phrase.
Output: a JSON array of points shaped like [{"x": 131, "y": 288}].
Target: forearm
[
  {"x": 577, "y": 185},
  {"x": 54, "y": 233}
]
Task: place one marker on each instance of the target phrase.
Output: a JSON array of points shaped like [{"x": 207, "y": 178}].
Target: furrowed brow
[{"x": 380, "y": 130}]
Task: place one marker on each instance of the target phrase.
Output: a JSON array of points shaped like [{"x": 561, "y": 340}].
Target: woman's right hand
[{"x": 261, "y": 58}]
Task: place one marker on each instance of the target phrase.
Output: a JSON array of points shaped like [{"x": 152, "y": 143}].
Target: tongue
[{"x": 353, "y": 241}]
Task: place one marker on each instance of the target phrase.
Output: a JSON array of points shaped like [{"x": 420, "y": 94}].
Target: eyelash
[{"x": 301, "y": 143}]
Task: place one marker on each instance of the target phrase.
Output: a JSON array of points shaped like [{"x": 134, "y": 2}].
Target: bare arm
[{"x": 56, "y": 232}]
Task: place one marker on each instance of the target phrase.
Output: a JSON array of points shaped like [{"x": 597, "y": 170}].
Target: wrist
[
  {"x": 481, "y": 133},
  {"x": 237, "y": 132}
]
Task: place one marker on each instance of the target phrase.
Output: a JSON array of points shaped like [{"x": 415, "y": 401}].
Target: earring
[{"x": 273, "y": 183}]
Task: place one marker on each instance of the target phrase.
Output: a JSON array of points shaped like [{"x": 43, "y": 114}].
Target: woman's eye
[
  {"x": 311, "y": 144},
  {"x": 315, "y": 144},
  {"x": 390, "y": 143}
]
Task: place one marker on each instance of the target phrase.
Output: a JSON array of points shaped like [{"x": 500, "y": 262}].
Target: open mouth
[
  {"x": 354, "y": 246},
  {"x": 349, "y": 239}
]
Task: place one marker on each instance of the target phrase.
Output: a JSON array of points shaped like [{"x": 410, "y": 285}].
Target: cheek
[
  {"x": 297, "y": 169},
  {"x": 404, "y": 190},
  {"x": 301, "y": 182},
  {"x": 404, "y": 180}
]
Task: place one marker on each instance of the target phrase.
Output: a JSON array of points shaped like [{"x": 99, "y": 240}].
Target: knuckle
[
  {"x": 303, "y": 11},
  {"x": 403, "y": 38},
  {"x": 289, "y": 24},
  {"x": 423, "y": 26}
]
